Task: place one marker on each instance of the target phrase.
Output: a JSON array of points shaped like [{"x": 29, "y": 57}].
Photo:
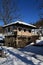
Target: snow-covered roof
[{"x": 20, "y": 22}]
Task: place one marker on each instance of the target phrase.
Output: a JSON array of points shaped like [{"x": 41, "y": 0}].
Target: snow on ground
[
  {"x": 29, "y": 55},
  {"x": 40, "y": 42}
]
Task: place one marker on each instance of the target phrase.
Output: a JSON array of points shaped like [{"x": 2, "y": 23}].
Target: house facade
[{"x": 18, "y": 34}]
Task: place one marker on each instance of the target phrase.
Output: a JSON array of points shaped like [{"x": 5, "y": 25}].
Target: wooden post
[{"x": 17, "y": 39}]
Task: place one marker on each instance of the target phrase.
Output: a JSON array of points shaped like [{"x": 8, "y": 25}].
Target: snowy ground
[{"x": 30, "y": 55}]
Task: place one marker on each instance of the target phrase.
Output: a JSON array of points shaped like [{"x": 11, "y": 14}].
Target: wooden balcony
[
  {"x": 27, "y": 34},
  {"x": 22, "y": 33}
]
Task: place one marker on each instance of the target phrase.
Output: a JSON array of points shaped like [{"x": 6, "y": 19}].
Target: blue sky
[{"x": 28, "y": 10}]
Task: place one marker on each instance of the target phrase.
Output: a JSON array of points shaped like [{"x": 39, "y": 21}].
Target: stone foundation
[{"x": 19, "y": 41}]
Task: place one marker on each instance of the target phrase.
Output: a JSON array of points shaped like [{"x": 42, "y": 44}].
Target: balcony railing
[{"x": 8, "y": 33}]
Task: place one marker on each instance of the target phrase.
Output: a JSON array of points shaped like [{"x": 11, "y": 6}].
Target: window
[
  {"x": 1, "y": 41},
  {"x": 5, "y": 29},
  {"x": 14, "y": 27},
  {"x": 19, "y": 29},
  {"x": 29, "y": 38},
  {"x": 8, "y": 29},
  {"x": 29, "y": 30},
  {"x": 24, "y": 30}
]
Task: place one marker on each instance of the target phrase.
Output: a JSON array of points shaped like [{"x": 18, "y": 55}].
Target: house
[{"x": 18, "y": 34}]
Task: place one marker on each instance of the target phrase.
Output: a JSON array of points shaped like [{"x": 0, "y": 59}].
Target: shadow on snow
[{"x": 25, "y": 60}]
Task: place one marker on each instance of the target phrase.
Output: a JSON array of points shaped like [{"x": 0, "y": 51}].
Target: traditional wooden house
[{"x": 18, "y": 34}]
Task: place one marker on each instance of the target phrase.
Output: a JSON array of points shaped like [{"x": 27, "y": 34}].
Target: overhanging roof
[{"x": 20, "y": 22}]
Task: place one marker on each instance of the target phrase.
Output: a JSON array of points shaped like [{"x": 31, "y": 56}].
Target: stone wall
[{"x": 19, "y": 41}]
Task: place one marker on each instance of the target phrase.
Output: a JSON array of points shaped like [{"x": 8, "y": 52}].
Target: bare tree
[{"x": 9, "y": 11}]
